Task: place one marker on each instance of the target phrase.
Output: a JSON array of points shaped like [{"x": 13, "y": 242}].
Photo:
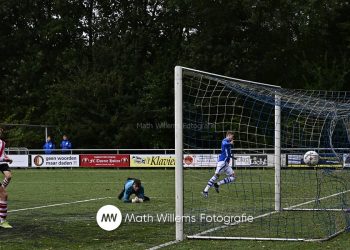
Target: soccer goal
[{"x": 275, "y": 196}]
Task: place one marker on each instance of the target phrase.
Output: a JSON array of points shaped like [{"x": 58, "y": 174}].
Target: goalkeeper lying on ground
[{"x": 133, "y": 186}]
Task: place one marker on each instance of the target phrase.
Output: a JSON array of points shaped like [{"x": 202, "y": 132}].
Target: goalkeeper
[{"x": 133, "y": 186}]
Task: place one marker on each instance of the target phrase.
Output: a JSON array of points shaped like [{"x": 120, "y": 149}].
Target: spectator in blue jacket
[
  {"x": 49, "y": 145},
  {"x": 66, "y": 145}
]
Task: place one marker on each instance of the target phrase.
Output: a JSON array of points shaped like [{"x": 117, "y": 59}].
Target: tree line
[{"x": 97, "y": 69}]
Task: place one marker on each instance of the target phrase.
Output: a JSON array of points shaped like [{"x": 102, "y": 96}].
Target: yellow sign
[{"x": 152, "y": 161}]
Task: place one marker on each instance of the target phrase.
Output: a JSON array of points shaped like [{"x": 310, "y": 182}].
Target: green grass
[{"x": 73, "y": 226}]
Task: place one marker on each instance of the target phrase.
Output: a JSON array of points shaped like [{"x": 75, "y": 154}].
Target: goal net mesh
[{"x": 315, "y": 201}]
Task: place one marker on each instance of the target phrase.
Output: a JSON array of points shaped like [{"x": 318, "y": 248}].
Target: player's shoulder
[{"x": 225, "y": 141}]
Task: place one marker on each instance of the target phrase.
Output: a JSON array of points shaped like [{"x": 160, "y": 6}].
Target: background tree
[{"x": 97, "y": 69}]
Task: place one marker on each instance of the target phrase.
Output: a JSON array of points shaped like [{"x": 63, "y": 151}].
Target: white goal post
[{"x": 179, "y": 178}]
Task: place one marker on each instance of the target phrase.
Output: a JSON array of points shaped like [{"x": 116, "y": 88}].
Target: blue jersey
[
  {"x": 225, "y": 150},
  {"x": 48, "y": 146},
  {"x": 65, "y": 145},
  {"x": 129, "y": 190}
]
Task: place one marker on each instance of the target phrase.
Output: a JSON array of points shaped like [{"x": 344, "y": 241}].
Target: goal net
[{"x": 275, "y": 195}]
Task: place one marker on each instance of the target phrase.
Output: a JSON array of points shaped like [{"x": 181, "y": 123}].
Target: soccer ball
[{"x": 311, "y": 158}]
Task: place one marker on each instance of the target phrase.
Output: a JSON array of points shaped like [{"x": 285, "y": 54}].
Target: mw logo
[{"x": 109, "y": 217}]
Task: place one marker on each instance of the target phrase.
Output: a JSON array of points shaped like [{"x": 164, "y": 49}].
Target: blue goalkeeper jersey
[
  {"x": 225, "y": 150},
  {"x": 129, "y": 190}
]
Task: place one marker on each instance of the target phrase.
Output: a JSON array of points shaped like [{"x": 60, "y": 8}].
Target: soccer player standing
[
  {"x": 4, "y": 168},
  {"x": 222, "y": 165}
]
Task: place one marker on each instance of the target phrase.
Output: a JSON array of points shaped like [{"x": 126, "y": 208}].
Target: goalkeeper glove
[{"x": 137, "y": 200}]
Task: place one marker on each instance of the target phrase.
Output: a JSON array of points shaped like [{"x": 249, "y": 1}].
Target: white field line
[
  {"x": 326, "y": 197},
  {"x": 164, "y": 245},
  {"x": 87, "y": 170},
  {"x": 269, "y": 213},
  {"x": 83, "y": 201},
  {"x": 67, "y": 182},
  {"x": 58, "y": 204},
  {"x": 116, "y": 182},
  {"x": 69, "y": 203},
  {"x": 317, "y": 209},
  {"x": 235, "y": 223}
]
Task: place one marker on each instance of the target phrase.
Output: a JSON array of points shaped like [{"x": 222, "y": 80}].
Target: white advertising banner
[
  {"x": 202, "y": 160},
  {"x": 189, "y": 160},
  {"x": 210, "y": 160},
  {"x": 19, "y": 161},
  {"x": 242, "y": 160},
  {"x": 55, "y": 161}
]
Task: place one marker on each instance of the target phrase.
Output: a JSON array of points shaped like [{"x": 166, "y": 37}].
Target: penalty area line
[
  {"x": 164, "y": 245},
  {"x": 199, "y": 235},
  {"x": 58, "y": 204}
]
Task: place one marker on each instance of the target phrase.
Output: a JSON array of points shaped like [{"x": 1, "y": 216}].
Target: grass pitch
[{"x": 56, "y": 209}]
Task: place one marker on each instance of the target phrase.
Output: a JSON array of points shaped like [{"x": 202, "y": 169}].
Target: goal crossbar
[{"x": 230, "y": 78}]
